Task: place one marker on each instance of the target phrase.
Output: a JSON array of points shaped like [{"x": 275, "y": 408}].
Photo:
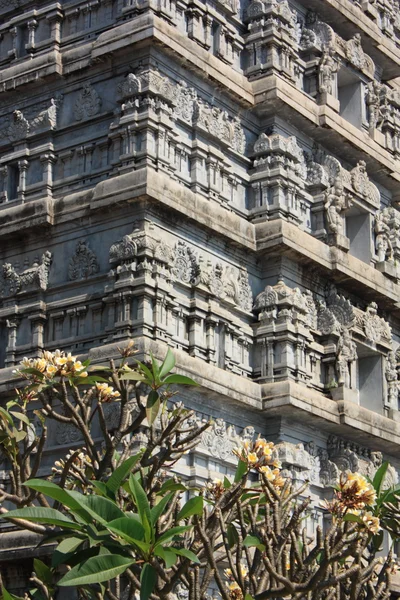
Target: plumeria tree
[{"x": 118, "y": 523}]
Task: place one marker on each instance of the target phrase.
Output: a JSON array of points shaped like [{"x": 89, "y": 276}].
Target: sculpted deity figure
[
  {"x": 337, "y": 202},
  {"x": 373, "y": 103},
  {"x": 392, "y": 380},
  {"x": 383, "y": 244},
  {"x": 346, "y": 353},
  {"x": 328, "y": 66}
]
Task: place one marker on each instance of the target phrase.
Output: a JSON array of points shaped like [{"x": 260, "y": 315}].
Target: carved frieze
[
  {"x": 83, "y": 263},
  {"x": 87, "y": 104},
  {"x": 31, "y": 278},
  {"x": 334, "y": 316},
  {"x": 329, "y": 172},
  {"x": 281, "y": 301},
  {"x": 186, "y": 105},
  {"x": 376, "y": 329},
  {"x": 185, "y": 264},
  {"x": 276, "y": 149},
  {"x": 318, "y": 36},
  {"x": 23, "y": 123},
  {"x": 220, "y": 440}
]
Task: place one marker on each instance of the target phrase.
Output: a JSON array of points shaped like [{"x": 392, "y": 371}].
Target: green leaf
[
  {"x": 121, "y": 472},
  {"x": 248, "y": 597},
  {"x": 64, "y": 549},
  {"x": 179, "y": 379},
  {"x": 168, "y": 535},
  {"x": 377, "y": 540},
  {"x": 142, "y": 505},
  {"x": 39, "y": 514},
  {"x": 6, "y": 416},
  {"x": 241, "y": 470},
  {"x": 172, "y": 486},
  {"x": 227, "y": 483},
  {"x": 96, "y": 570},
  {"x": 152, "y": 406},
  {"x": 379, "y": 477},
  {"x": 43, "y": 572},
  {"x": 20, "y": 417},
  {"x": 146, "y": 371},
  {"x": 50, "y": 489},
  {"x": 194, "y": 506},
  {"x": 167, "y": 556},
  {"x": 156, "y": 369},
  {"x": 101, "y": 509},
  {"x": 251, "y": 541},
  {"x": 168, "y": 364},
  {"x": 233, "y": 536},
  {"x": 186, "y": 554},
  {"x": 159, "y": 508},
  {"x": 127, "y": 526},
  {"x": 353, "y": 518},
  {"x": 148, "y": 579},
  {"x": 133, "y": 376},
  {"x": 102, "y": 489},
  {"x": 7, "y": 596}
]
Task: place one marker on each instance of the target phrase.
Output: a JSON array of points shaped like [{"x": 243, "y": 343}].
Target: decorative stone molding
[
  {"x": 329, "y": 172},
  {"x": 336, "y": 315},
  {"x": 185, "y": 105},
  {"x": 83, "y": 263},
  {"x": 220, "y": 440},
  {"x": 87, "y": 104},
  {"x": 320, "y": 37},
  {"x": 30, "y": 121},
  {"x": 32, "y": 278},
  {"x": 375, "y": 328},
  {"x": 277, "y": 149},
  {"x": 280, "y": 302},
  {"x": 185, "y": 266}
]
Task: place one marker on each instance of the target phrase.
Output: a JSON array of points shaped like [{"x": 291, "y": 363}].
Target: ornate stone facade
[{"x": 237, "y": 202}]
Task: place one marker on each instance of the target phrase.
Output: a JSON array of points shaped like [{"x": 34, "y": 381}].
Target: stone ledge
[
  {"x": 15, "y": 219},
  {"x": 274, "y": 95},
  {"x": 282, "y": 237},
  {"x": 151, "y": 26},
  {"x": 381, "y": 49},
  {"x": 155, "y": 186},
  {"x": 342, "y": 418}
]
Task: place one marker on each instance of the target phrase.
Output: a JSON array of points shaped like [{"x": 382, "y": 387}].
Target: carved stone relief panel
[
  {"x": 83, "y": 263},
  {"x": 87, "y": 104},
  {"x": 33, "y": 277}
]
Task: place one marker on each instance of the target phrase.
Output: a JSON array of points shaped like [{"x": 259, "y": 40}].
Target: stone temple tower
[{"x": 221, "y": 177}]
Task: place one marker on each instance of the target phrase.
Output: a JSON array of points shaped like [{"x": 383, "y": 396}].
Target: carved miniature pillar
[
  {"x": 55, "y": 19},
  {"x": 207, "y": 20},
  {"x": 38, "y": 322},
  {"x": 32, "y": 26},
  {"x": 12, "y": 325},
  {"x": 48, "y": 160},
  {"x": 23, "y": 167},
  {"x": 195, "y": 335},
  {"x": 211, "y": 323},
  {"x": 13, "y": 52}
]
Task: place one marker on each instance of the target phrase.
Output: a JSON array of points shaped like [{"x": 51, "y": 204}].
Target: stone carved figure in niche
[
  {"x": 328, "y": 66},
  {"x": 83, "y": 263},
  {"x": 346, "y": 353},
  {"x": 391, "y": 375},
  {"x": 383, "y": 244},
  {"x": 373, "y": 102},
  {"x": 87, "y": 104},
  {"x": 337, "y": 202}
]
